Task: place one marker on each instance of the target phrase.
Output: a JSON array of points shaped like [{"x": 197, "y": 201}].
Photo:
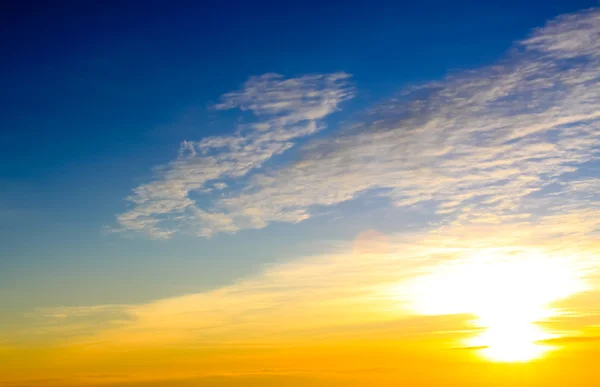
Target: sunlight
[
  {"x": 504, "y": 342},
  {"x": 508, "y": 292}
]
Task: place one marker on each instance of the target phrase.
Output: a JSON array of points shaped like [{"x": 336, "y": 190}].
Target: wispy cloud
[
  {"x": 359, "y": 288},
  {"x": 286, "y": 110},
  {"x": 572, "y": 340},
  {"x": 475, "y": 145}
]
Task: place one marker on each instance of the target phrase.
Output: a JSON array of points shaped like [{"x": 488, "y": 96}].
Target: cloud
[
  {"x": 472, "y": 348},
  {"x": 475, "y": 145},
  {"x": 572, "y": 340},
  {"x": 352, "y": 290},
  {"x": 286, "y": 110}
]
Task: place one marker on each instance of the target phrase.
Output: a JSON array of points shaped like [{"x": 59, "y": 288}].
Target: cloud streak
[
  {"x": 475, "y": 145},
  {"x": 353, "y": 290},
  {"x": 286, "y": 110}
]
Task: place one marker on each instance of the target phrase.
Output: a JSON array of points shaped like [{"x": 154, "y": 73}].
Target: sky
[{"x": 251, "y": 193}]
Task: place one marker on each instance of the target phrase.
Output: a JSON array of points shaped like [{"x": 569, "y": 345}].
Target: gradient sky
[{"x": 299, "y": 194}]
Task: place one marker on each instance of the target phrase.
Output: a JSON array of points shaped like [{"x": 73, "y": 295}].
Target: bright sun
[{"x": 508, "y": 292}]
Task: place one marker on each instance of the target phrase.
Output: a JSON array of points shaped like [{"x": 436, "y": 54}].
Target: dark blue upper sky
[
  {"x": 83, "y": 78},
  {"x": 95, "y": 93}
]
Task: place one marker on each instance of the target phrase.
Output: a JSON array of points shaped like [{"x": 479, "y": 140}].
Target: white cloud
[
  {"x": 476, "y": 144},
  {"x": 287, "y": 109}
]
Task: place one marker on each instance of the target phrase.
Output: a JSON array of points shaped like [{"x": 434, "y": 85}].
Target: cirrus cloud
[
  {"x": 287, "y": 109},
  {"x": 477, "y": 145}
]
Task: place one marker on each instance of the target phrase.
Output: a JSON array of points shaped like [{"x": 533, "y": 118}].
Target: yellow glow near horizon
[{"x": 507, "y": 292}]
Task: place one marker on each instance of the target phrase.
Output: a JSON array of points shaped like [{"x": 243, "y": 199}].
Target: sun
[
  {"x": 508, "y": 292},
  {"x": 511, "y": 342}
]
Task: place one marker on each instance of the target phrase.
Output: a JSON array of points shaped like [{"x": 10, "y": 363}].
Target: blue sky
[{"x": 94, "y": 97}]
